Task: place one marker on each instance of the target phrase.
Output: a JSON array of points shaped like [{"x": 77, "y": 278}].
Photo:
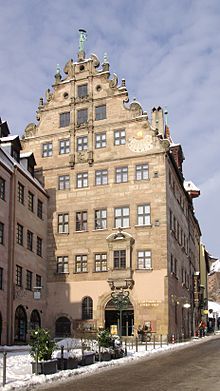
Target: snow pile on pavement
[{"x": 19, "y": 370}]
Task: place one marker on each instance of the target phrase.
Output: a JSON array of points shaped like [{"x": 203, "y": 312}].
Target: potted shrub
[
  {"x": 42, "y": 347},
  {"x": 105, "y": 343}
]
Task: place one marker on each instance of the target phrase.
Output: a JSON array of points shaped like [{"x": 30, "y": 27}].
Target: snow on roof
[
  {"x": 189, "y": 186},
  {"x": 215, "y": 266},
  {"x": 8, "y": 138},
  {"x": 24, "y": 155}
]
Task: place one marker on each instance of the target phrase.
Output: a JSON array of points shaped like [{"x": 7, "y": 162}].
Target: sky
[{"x": 167, "y": 50}]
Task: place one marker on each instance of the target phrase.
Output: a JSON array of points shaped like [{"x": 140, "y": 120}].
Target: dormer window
[{"x": 82, "y": 91}]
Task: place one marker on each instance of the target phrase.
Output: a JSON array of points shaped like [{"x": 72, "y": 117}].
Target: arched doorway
[
  {"x": 112, "y": 318},
  {"x": 0, "y": 328},
  {"x": 20, "y": 324},
  {"x": 35, "y": 320},
  {"x": 62, "y": 327}
]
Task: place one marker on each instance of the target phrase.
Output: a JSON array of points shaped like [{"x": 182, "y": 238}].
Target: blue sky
[{"x": 167, "y": 50}]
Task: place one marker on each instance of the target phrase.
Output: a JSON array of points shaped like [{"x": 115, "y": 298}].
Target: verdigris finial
[
  {"x": 58, "y": 70},
  {"x": 105, "y": 61},
  {"x": 82, "y": 39},
  {"x": 166, "y": 115},
  {"x": 58, "y": 74}
]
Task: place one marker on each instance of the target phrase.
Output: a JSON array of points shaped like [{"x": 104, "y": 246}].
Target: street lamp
[{"x": 121, "y": 301}]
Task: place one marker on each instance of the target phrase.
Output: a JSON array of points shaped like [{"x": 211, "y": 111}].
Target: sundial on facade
[{"x": 141, "y": 142}]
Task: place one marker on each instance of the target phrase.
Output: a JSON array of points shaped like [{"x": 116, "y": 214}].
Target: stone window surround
[{"x": 2, "y": 188}]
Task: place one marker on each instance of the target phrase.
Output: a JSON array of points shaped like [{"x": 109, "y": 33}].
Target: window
[
  {"x": 120, "y": 259},
  {"x": 62, "y": 264},
  {"x": 63, "y": 223},
  {"x": 18, "y": 275},
  {"x": 40, "y": 209},
  {"x": 1, "y": 277},
  {"x": 101, "y": 219},
  {"x": 119, "y": 137},
  {"x": 20, "y": 193},
  {"x": 82, "y": 143},
  {"x": 142, "y": 172},
  {"x": 29, "y": 280},
  {"x": 82, "y": 90},
  {"x": 144, "y": 259},
  {"x": 101, "y": 262},
  {"x": 87, "y": 308},
  {"x": 82, "y": 180},
  {"x": 122, "y": 217},
  {"x": 81, "y": 263},
  {"x": 30, "y": 201},
  {"x": 1, "y": 233},
  {"x": 38, "y": 280},
  {"x": 100, "y": 140},
  {"x": 47, "y": 149},
  {"x": 2, "y": 188},
  {"x": 29, "y": 240},
  {"x": 121, "y": 174},
  {"x": 173, "y": 265},
  {"x": 20, "y": 232},
  {"x": 81, "y": 221},
  {"x": 101, "y": 177},
  {"x": 100, "y": 112},
  {"x": 143, "y": 214},
  {"x": 64, "y": 119},
  {"x": 82, "y": 116},
  {"x": 64, "y": 146},
  {"x": 63, "y": 182},
  {"x": 39, "y": 246}
]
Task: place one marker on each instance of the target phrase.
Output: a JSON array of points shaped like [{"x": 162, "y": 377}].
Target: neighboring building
[
  {"x": 204, "y": 270},
  {"x": 214, "y": 280},
  {"x": 23, "y": 242}
]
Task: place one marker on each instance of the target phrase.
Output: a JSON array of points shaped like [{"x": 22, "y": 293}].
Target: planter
[
  {"x": 118, "y": 353},
  {"x": 45, "y": 367},
  {"x": 105, "y": 356},
  {"x": 87, "y": 359},
  {"x": 68, "y": 363}
]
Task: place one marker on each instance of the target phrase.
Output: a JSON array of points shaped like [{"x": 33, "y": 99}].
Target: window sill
[
  {"x": 80, "y": 232},
  {"x": 143, "y": 226},
  {"x": 116, "y": 229},
  {"x": 100, "y": 229},
  {"x": 61, "y": 273},
  {"x": 144, "y": 270},
  {"x": 82, "y": 188},
  {"x": 80, "y": 272},
  {"x": 62, "y": 233}
]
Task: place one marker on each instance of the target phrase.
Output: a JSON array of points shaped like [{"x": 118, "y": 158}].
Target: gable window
[
  {"x": 1, "y": 233},
  {"x": 63, "y": 223},
  {"x": 39, "y": 246},
  {"x": 1, "y": 277},
  {"x": 2, "y": 189},
  {"x": 100, "y": 140},
  {"x": 82, "y": 90},
  {"x": 81, "y": 221},
  {"x": 29, "y": 276},
  {"x": 141, "y": 172},
  {"x": 100, "y": 218},
  {"x": 40, "y": 209},
  {"x": 87, "y": 308},
  {"x": 47, "y": 149},
  {"x": 81, "y": 263},
  {"x": 30, "y": 201},
  {"x": 144, "y": 260},
  {"x": 20, "y": 193},
  {"x": 30, "y": 236},
  {"x": 100, "y": 112},
  {"x": 82, "y": 116},
  {"x": 62, "y": 264},
  {"x": 82, "y": 180},
  {"x": 82, "y": 143},
  {"x": 101, "y": 177},
  {"x": 64, "y": 119},
  {"x": 20, "y": 231},
  {"x": 63, "y": 182},
  {"x": 143, "y": 214},
  {"x": 18, "y": 275},
  {"x": 119, "y": 137},
  {"x": 120, "y": 259},
  {"x": 121, "y": 174},
  {"x": 101, "y": 262},
  {"x": 122, "y": 217},
  {"x": 64, "y": 146}
]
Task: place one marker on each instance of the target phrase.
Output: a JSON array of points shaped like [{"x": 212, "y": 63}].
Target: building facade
[
  {"x": 23, "y": 242},
  {"x": 120, "y": 220}
]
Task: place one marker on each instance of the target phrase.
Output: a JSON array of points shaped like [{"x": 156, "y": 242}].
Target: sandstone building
[
  {"x": 120, "y": 217},
  {"x": 23, "y": 241}
]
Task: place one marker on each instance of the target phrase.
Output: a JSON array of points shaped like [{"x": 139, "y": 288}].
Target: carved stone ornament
[
  {"x": 114, "y": 82},
  {"x": 30, "y": 130},
  {"x": 49, "y": 95},
  {"x": 82, "y": 157},
  {"x": 95, "y": 60},
  {"x": 69, "y": 68}
]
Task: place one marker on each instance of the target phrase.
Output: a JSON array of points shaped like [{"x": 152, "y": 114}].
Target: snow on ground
[{"x": 19, "y": 370}]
